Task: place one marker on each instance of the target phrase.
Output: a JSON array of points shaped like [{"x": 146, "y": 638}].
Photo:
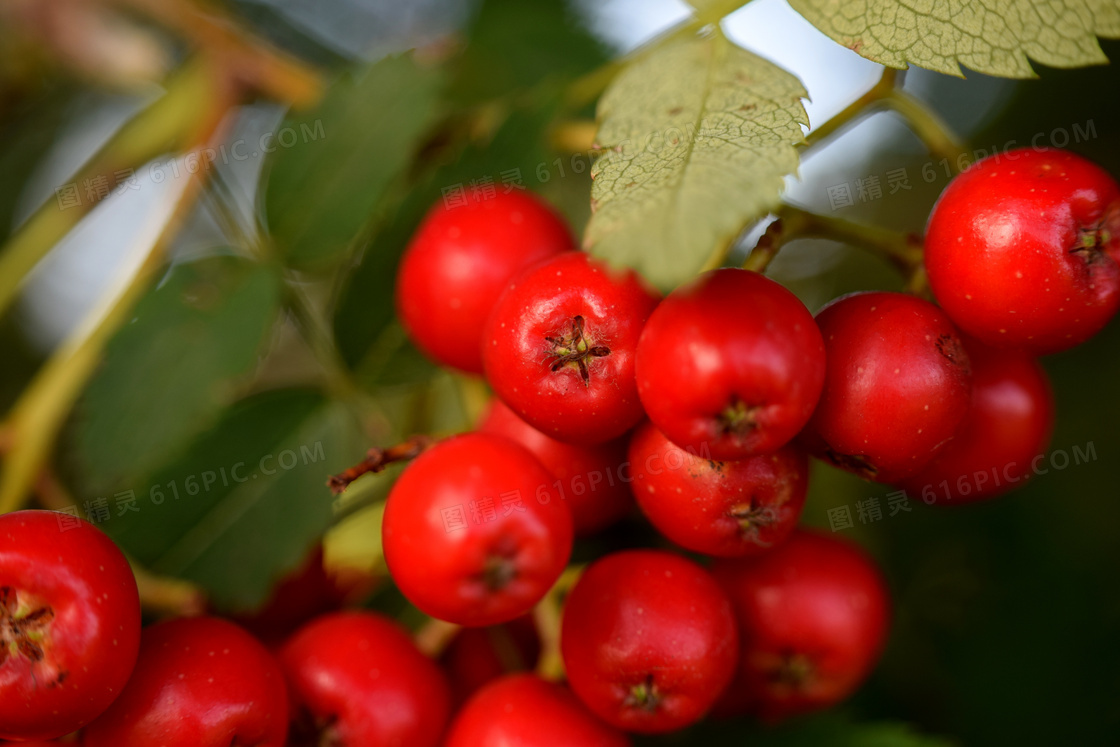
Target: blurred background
[{"x": 1007, "y": 626}]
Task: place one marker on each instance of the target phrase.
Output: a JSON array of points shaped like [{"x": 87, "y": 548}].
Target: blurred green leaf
[
  {"x": 515, "y": 44},
  {"x": 321, "y": 189},
  {"x": 995, "y": 37},
  {"x": 365, "y": 309},
  {"x": 247, "y": 501},
  {"x": 169, "y": 372},
  {"x": 698, "y": 135}
]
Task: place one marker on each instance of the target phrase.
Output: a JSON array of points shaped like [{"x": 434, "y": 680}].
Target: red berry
[
  {"x": 559, "y": 348},
  {"x": 897, "y": 386},
  {"x": 731, "y": 363},
  {"x": 359, "y": 680},
  {"x": 1022, "y": 250},
  {"x": 199, "y": 682},
  {"x": 727, "y": 509},
  {"x": 478, "y": 656},
  {"x": 813, "y": 617},
  {"x": 588, "y": 477},
  {"x": 474, "y": 532},
  {"x": 69, "y": 624},
  {"x": 648, "y": 640},
  {"x": 522, "y": 710},
  {"x": 1006, "y": 427},
  {"x": 459, "y": 261}
]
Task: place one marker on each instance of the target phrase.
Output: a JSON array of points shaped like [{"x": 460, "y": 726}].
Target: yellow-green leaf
[
  {"x": 995, "y": 37},
  {"x": 698, "y": 136}
]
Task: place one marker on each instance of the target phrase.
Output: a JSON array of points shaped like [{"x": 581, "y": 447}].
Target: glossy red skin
[
  {"x": 999, "y": 250},
  {"x": 442, "y": 572},
  {"x": 543, "y": 302},
  {"x": 199, "y": 682},
  {"x": 592, "y": 480},
  {"x": 89, "y": 648},
  {"x": 477, "y": 656},
  {"x": 361, "y": 675},
  {"x": 731, "y": 337},
  {"x": 726, "y": 509},
  {"x": 817, "y": 600},
  {"x": 459, "y": 261},
  {"x": 645, "y": 616},
  {"x": 1008, "y": 425},
  {"x": 522, "y": 710},
  {"x": 897, "y": 386}
]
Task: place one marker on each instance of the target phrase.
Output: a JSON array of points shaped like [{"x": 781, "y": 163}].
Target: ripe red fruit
[
  {"x": 897, "y": 386},
  {"x": 559, "y": 348},
  {"x": 359, "y": 680},
  {"x": 588, "y": 477},
  {"x": 477, "y": 656},
  {"x": 523, "y": 710},
  {"x": 813, "y": 617},
  {"x": 1007, "y": 426},
  {"x": 69, "y": 624},
  {"x": 474, "y": 532},
  {"x": 729, "y": 509},
  {"x": 458, "y": 263},
  {"x": 1022, "y": 250},
  {"x": 199, "y": 682},
  {"x": 648, "y": 640},
  {"x": 731, "y": 363}
]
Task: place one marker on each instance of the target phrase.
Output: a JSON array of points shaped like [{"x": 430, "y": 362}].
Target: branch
[
  {"x": 377, "y": 460},
  {"x": 902, "y": 250}
]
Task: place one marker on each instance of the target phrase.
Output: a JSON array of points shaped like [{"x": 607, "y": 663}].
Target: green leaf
[
  {"x": 169, "y": 372},
  {"x": 365, "y": 309},
  {"x": 515, "y": 44},
  {"x": 698, "y": 135},
  {"x": 342, "y": 157},
  {"x": 995, "y": 37},
  {"x": 247, "y": 501}
]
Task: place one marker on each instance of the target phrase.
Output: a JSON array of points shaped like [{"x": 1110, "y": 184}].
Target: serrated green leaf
[
  {"x": 169, "y": 372},
  {"x": 247, "y": 501},
  {"x": 321, "y": 190},
  {"x": 995, "y": 37},
  {"x": 698, "y": 136}
]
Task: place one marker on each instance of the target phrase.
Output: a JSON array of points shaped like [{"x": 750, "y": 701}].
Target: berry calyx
[
  {"x": 559, "y": 348},
  {"x": 648, "y": 640},
  {"x": 812, "y": 616},
  {"x": 727, "y": 509},
  {"x": 474, "y": 532},
  {"x": 69, "y": 624},
  {"x": 731, "y": 363},
  {"x": 1022, "y": 250},
  {"x": 897, "y": 385},
  {"x": 458, "y": 262}
]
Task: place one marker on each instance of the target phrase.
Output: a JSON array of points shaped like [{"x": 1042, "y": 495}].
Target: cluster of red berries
[{"x": 702, "y": 407}]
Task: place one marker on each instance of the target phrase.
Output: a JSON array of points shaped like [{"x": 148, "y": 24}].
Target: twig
[
  {"x": 378, "y": 459},
  {"x": 902, "y": 250}
]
